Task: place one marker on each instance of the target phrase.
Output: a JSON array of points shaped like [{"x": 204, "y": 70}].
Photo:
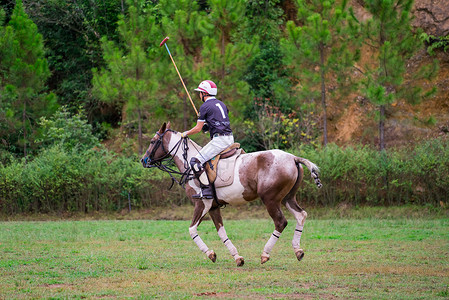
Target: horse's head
[{"x": 158, "y": 149}]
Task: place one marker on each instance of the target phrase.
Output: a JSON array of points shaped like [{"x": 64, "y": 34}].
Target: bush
[
  {"x": 70, "y": 131},
  {"x": 61, "y": 180},
  {"x": 92, "y": 180},
  {"x": 363, "y": 175}
]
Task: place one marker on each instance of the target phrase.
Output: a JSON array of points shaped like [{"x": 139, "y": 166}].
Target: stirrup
[{"x": 206, "y": 193}]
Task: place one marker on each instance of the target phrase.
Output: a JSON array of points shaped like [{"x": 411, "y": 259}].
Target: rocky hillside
[{"x": 354, "y": 121}]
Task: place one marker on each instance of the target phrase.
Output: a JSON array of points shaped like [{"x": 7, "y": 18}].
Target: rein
[{"x": 166, "y": 162}]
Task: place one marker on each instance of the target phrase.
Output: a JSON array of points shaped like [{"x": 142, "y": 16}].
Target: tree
[
  {"x": 265, "y": 73},
  {"x": 388, "y": 34},
  {"x": 24, "y": 71},
  {"x": 72, "y": 30},
  {"x": 71, "y": 132},
  {"x": 131, "y": 75},
  {"x": 318, "y": 51},
  {"x": 224, "y": 52},
  {"x": 187, "y": 25}
]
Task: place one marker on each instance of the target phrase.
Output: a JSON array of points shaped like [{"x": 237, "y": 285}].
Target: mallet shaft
[{"x": 179, "y": 74}]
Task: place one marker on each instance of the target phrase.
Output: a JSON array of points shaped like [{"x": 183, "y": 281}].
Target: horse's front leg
[
  {"x": 215, "y": 214},
  {"x": 201, "y": 209}
]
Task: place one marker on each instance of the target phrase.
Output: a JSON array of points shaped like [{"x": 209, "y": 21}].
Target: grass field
[{"x": 362, "y": 258}]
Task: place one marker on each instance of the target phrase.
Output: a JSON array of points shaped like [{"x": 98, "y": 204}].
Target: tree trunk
[
  {"x": 185, "y": 114},
  {"x": 323, "y": 93},
  {"x": 139, "y": 112},
  {"x": 382, "y": 127},
  {"x": 24, "y": 130},
  {"x": 222, "y": 55}
]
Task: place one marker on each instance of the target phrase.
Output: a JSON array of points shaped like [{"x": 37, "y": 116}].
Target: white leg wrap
[
  {"x": 196, "y": 238},
  {"x": 300, "y": 217},
  {"x": 297, "y": 236},
  {"x": 224, "y": 238},
  {"x": 270, "y": 244}
]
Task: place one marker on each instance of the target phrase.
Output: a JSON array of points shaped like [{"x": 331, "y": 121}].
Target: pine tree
[
  {"x": 266, "y": 73},
  {"x": 187, "y": 24},
  {"x": 130, "y": 77},
  {"x": 224, "y": 54},
  {"x": 388, "y": 33},
  {"x": 318, "y": 51},
  {"x": 204, "y": 45},
  {"x": 24, "y": 71}
]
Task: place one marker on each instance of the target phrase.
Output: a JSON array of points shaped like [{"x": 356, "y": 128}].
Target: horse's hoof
[
  {"x": 264, "y": 258},
  {"x": 240, "y": 261},
  {"x": 299, "y": 254},
  {"x": 212, "y": 256}
]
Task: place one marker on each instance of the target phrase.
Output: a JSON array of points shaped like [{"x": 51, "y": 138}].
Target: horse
[{"x": 273, "y": 176}]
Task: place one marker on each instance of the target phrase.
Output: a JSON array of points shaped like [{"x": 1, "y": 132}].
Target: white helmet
[{"x": 207, "y": 86}]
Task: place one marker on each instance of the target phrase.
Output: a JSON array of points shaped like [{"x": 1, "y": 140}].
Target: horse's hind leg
[
  {"x": 280, "y": 222},
  {"x": 215, "y": 214},
  {"x": 300, "y": 216},
  {"x": 201, "y": 209}
]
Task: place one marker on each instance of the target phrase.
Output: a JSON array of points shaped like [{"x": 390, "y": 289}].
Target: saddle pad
[{"x": 225, "y": 170}]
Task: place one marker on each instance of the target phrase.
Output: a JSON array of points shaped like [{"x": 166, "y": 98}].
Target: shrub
[
  {"x": 71, "y": 131},
  {"x": 363, "y": 175},
  {"x": 91, "y": 180},
  {"x": 99, "y": 180}
]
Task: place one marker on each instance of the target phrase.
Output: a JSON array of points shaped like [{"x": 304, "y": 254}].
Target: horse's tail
[{"x": 314, "y": 170}]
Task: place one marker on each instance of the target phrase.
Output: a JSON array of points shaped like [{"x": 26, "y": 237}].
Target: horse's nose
[{"x": 144, "y": 162}]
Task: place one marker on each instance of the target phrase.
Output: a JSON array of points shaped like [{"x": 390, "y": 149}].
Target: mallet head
[{"x": 163, "y": 41}]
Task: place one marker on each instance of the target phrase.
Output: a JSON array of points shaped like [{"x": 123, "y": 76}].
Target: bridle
[{"x": 166, "y": 162}]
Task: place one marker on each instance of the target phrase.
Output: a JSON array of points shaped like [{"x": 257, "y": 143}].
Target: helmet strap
[{"x": 203, "y": 95}]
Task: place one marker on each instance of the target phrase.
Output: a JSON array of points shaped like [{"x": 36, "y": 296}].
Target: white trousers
[{"x": 214, "y": 147}]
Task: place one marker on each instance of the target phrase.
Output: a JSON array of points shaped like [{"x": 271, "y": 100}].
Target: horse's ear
[
  {"x": 168, "y": 125},
  {"x": 163, "y": 128}
]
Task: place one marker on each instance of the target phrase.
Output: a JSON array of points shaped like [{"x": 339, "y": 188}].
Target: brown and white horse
[{"x": 273, "y": 176}]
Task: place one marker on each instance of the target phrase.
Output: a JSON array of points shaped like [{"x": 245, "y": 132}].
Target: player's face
[{"x": 201, "y": 96}]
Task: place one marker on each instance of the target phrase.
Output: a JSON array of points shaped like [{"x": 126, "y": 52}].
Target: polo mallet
[{"x": 164, "y": 41}]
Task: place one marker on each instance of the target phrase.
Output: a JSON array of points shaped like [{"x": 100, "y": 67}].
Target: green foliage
[
  {"x": 74, "y": 180},
  {"x": 269, "y": 72},
  {"x": 23, "y": 73},
  {"x": 277, "y": 130},
  {"x": 72, "y": 32},
  {"x": 224, "y": 53},
  {"x": 362, "y": 175},
  {"x": 131, "y": 76},
  {"x": 69, "y": 131},
  {"x": 435, "y": 42},
  {"x": 322, "y": 45},
  {"x": 88, "y": 180},
  {"x": 388, "y": 33},
  {"x": 265, "y": 71}
]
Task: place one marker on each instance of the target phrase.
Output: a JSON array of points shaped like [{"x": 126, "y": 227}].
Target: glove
[
  {"x": 184, "y": 134},
  {"x": 205, "y": 127}
]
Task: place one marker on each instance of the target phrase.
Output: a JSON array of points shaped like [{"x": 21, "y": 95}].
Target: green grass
[{"x": 363, "y": 258}]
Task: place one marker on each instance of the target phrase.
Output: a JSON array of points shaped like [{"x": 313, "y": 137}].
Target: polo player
[{"x": 214, "y": 113}]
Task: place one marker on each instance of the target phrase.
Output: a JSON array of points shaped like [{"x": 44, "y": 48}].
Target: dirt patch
[
  {"x": 57, "y": 285},
  {"x": 353, "y": 120}
]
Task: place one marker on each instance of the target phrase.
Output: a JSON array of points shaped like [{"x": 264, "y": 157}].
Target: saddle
[{"x": 211, "y": 166}]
